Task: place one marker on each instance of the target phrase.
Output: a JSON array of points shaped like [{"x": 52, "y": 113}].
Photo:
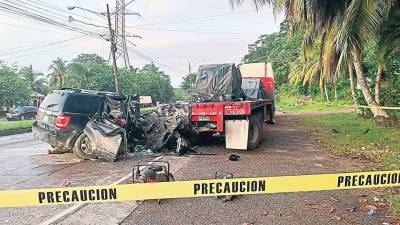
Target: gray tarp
[
  {"x": 218, "y": 82},
  {"x": 253, "y": 89}
]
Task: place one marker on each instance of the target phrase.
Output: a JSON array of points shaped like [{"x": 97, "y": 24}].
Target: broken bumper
[{"x": 54, "y": 138}]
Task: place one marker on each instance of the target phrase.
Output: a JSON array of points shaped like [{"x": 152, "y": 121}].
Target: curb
[{"x": 12, "y": 132}]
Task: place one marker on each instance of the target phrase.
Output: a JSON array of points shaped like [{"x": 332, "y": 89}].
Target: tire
[
  {"x": 255, "y": 132},
  {"x": 83, "y": 148}
]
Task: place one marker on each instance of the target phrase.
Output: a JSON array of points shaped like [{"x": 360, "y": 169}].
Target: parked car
[
  {"x": 63, "y": 115},
  {"x": 22, "y": 113}
]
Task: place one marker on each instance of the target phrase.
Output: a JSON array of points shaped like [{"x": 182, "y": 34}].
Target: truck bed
[{"x": 216, "y": 111}]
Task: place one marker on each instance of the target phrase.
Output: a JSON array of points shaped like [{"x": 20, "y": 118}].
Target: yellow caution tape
[
  {"x": 372, "y": 107},
  {"x": 198, "y": 188}
]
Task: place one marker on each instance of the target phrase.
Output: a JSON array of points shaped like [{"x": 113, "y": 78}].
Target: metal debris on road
[{"x": 234, "y": 157}]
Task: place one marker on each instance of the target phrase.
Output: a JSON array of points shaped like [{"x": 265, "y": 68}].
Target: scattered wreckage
[{"x": 114, "y": 134}]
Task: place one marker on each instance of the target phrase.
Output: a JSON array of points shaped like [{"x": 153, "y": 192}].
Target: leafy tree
[
  {"x": 278, "y": 49},
  {"x": 147, "y": 81},
  {"x": 79, "y": 74},
  {"x": 58, "y": 72},
  {"x": 188, "y": 82},
  {"x": 37, "y": 81},
  {"x": 13, "y": 89},
  {"x": 89, "y": 59},
  {"x": 343, "y": 28}
]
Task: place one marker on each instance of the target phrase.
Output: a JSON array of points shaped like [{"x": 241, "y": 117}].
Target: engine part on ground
[
  {"x": 218, "y": 82},
  {"x": 157, "y": 171}
]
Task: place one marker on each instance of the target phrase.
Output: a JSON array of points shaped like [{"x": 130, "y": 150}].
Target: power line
[
  {"x": 47, "y": 50},
  {"x": 14, "y": 10},
  {"x": 195, "y": 19},
  {"x": 31, "y": 28},
  {"x": 195, "y": 31},
  {"x": 23, "y": 49}
]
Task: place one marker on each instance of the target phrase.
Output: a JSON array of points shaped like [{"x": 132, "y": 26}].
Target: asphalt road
[{"x": 287, "y": 149}]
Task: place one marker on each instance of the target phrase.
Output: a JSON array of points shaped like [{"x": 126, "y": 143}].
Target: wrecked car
[
  {"x": 63, "y": 115},
  {"x": 105, "y": 125}
]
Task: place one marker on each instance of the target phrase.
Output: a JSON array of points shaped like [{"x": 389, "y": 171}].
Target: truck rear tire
[
  {"x": 255, "y": 132},
  {"x": 83, "y": 148}
]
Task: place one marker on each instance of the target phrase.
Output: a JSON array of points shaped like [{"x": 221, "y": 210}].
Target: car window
[
  {"x": 54, "y": 101},
  {"x": 80, "y": 103},
  {"x": 19, "y": 109}
]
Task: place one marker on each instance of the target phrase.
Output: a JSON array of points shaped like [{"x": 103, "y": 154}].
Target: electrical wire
[
  {"x": 23, "y": 49},
  {"x": 46, "y": 50},
  {"x": 24, "y": 12},
  {"x": 196, "y": 19},
  {"x": 196, "y": 31}
]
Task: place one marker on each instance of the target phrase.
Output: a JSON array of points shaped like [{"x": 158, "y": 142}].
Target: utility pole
[{"x": 113, "y": 49}]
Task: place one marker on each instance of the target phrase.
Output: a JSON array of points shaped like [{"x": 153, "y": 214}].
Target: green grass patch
[
  {"x": 148, "y": 109},
  {"x": 14, "y": 125},
  {"x": 380, "y": 144},
  {"x": 297, "y": 104}
]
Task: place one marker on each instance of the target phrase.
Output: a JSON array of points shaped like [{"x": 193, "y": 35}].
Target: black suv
[{"x": 63, "y": 115}]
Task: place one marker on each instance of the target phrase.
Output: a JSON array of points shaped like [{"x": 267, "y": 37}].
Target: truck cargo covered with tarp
[
  {"x": 253, "y": 89},
  {"x": 218, "y": 82}
]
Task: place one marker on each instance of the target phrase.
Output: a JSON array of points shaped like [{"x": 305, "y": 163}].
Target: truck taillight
[{"x": 63, "y": 121}]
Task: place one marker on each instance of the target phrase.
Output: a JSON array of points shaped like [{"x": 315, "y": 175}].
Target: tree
[
  {"x": 278, "y": 49},
  {"x": 79, "y": 74},
  {"x": 89, "y": 59},
  {"x": 343, "y": 27},
  {"x": 37, "y": 82},
  {"x": 13, "y": 89},
  {"x": 58, "y": 72},
  {"x": 188, "y": 82},
  {"x": 147, "y": 81}
]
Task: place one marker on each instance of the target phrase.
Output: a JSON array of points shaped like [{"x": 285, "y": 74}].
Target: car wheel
[
  {"x": 255, "y": 132},
  {"x": 83, "y": 148}
]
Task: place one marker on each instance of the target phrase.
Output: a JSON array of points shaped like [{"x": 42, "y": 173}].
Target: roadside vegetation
[
  {"x": 86, "y": 71},
  {"x": 14, "y": 125},
  {"x": 354, "y": 136}
]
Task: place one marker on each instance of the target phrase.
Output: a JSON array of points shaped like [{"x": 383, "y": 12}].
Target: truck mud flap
[
  {"x": 236, "y": 134},
  {"x": 105, "y": 140}
]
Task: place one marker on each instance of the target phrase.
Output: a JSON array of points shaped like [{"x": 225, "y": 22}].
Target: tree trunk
[
  {"x": 379, "y": 74},
  {"x": 379, "y": 114},
  {"x": 61, "y": 81},
  {"x": 335, "y": 92},
  {"x": 353, "y": 87},
  {"x": 326, "y": 93}
]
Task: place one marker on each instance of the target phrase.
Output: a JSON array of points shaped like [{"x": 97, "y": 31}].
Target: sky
[{"x": 173, "y": 33}]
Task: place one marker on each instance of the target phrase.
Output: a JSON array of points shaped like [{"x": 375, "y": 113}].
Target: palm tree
[
  {"x": 36, "y": 80},
  {"x": 58, "y": 70},
  {"x": 388, "y": 42},
  {"x": 80, "y": 72},
  {"x": 343, "y": 28}
]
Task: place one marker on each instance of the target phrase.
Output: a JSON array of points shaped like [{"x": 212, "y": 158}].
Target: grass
[
  {"x": 14, "y": 125},
  {"x": 148, "y": 109},
  {"x": 296, "y": 104},
  {"x": 379, "y": 144}
]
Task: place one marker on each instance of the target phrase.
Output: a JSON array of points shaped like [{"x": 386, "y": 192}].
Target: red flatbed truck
[{"x": 241, "y": 122}]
